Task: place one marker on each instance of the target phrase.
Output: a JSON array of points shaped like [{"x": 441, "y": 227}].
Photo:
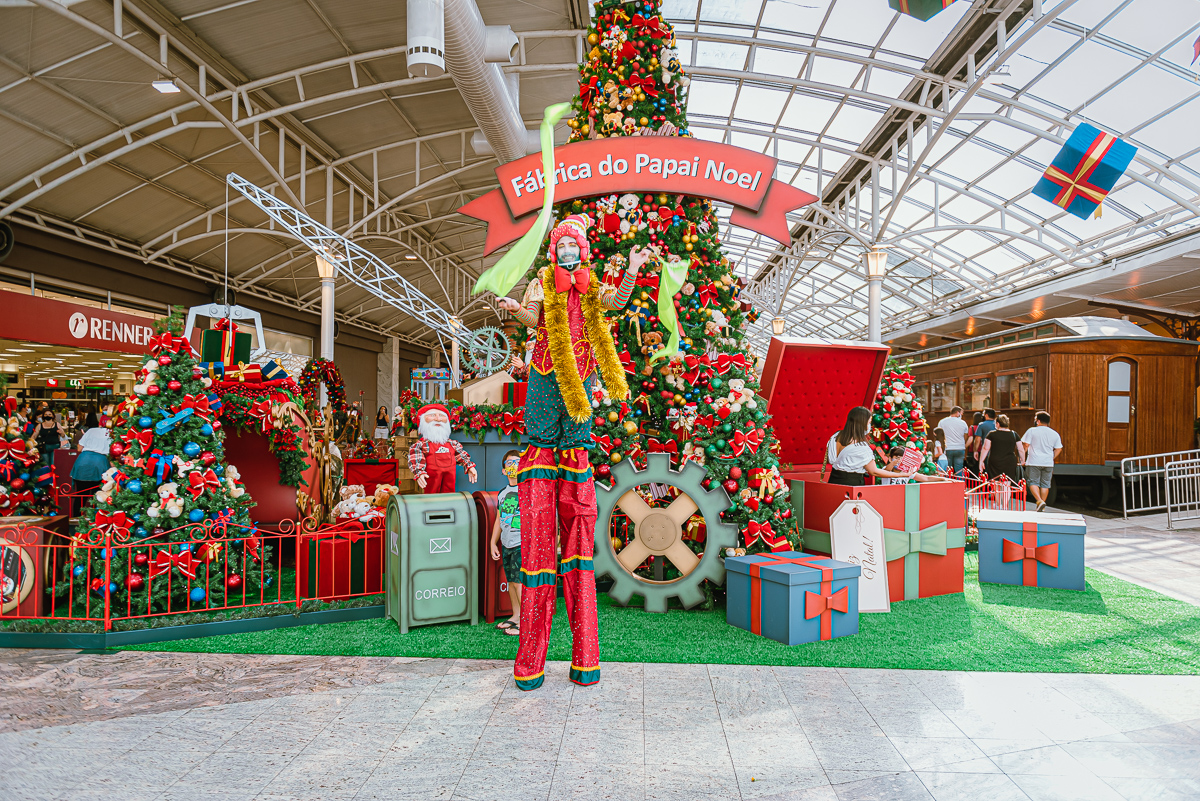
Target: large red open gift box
[{"x": 809, "y": 386}]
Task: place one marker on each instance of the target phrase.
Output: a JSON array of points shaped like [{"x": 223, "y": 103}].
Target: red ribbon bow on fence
[
  {"x": 164, "y": 560},
  {"x": 116, "y": 524},
  {"x": 201, "y": 481},
  {"x": 1029, "y": 553},
  {"x": 252, "y": 548}
]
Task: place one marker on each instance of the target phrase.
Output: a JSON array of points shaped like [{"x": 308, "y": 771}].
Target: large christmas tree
[
  {"x": 171, "y": 498},
  {"x": 699, "y": 404}
]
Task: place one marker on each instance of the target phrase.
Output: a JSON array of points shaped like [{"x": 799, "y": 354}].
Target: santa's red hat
[{"x": 432, "y": 407}]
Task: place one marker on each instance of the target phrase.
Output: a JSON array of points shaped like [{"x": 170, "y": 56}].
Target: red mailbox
[{"x": 493, "y": 586}]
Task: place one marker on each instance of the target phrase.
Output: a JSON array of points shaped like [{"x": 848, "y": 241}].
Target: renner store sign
[{"x": 54, "y": 322}]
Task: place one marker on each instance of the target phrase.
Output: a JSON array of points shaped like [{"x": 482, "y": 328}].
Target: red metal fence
[{"x": 106, "y": 573}]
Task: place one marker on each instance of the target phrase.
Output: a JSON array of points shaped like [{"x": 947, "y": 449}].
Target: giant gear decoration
[
  {"x": 488, "y": 350},
  {"x": 658, "y": 532}
]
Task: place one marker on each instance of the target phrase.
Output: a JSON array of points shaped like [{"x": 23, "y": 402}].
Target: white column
[
  {"x": 874, "y": 308},
  {"x": 328, "y": 273}
]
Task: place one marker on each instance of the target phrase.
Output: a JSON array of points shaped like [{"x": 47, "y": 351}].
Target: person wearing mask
[
  {"x": 381, "y": 423},
  {"x": 849, "y": 452},
  {"x": 955, "y": 430},
  {"x": 1038, "y": 450},
  {"x": 999, "y": 454},
  {"x": 47, "y": 436},
  {"x": 93, "y": 455}
]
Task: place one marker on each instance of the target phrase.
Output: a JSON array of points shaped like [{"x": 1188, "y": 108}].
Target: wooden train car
[{"x": 1112, "y": 389}]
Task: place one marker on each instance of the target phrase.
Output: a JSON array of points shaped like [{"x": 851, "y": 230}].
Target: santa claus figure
[{"x": 433, "y": 458}]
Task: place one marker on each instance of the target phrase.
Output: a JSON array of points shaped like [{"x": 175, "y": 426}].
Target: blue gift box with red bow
[
  {"x": 792, "y": 597},
  {"x": 1031, "y": 549}
]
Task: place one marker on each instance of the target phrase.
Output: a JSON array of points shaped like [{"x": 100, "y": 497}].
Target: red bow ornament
[
  {"x": 649, "y": 27},
  {"x": 627, "y": 361},
  {"x": 707, "y": 294},
  {"x": 654, "y": 446},
  {"x": 823, "y": 604},
  {"x": 588, "y": 92},
  {"x": 260, "y": 410},
  {"x": 164, "y": 560},
  {"x": 565, "y": 280},
  {"x": 645, "y": 83},
  {"x": 200, "y": 481},
  {"x": 696, "y": 367},
  {"x": 252, "y": 548},
  {"x": 727, "y": 360},
  {"x": 143, "y": 437},
  {"x": 703, "y": 421},
  {"x": 756, "y": 531},
  {"x": 745, "y": 441},
  {"x": 511, "y": 421},
  {"x": 116, "y": 524},
  {"x": 604, "y": 441},
  {"x": 199, "y": 404},
  {"x": 15, "y": 450}
]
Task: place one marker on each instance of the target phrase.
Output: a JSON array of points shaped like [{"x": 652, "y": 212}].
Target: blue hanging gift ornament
[{"x": 1085, "y": 171}]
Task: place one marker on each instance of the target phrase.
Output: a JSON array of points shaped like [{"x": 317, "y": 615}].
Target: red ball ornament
[
  {"x": 603, "y": 471},
  {"x": 208, "y": 457},
  {"x": 785, "y": 514},
  {"x": 769, "y": 499},
  {"x": 197, "y": 372},
  {"x": 116, "y": 449},
  {"x": 134, "y": 581},
  {"x": 164, "y": 360},
  {"x": 141, "y": 559},
  {"x": 599, "y": 421},
  {"x": 153, "y": 389},
  {"x": 616, "y": 443},
  {"x": 735, "y": 472},
  {"x": 730, "y": 485},
  {"x": 234, "y": 581},
  {"x": 174, "y": 385},
  {"x": 16, "y": 484}
]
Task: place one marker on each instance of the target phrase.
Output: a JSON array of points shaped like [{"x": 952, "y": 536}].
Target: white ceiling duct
[
  {"x": 426, "y": 43},
  {"x": 473, "y": 54}
]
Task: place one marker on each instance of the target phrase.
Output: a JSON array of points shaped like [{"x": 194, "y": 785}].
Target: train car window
[
  {"x": 1047, "y": 331},
  {"x": 943, "y": 396},
  {"x": 1030, "y": 334},
  {"x": 977, "y": 393},
  {"x": 994, "y": 342},
  {"x": 921, "y": 391},
  {"x": 955, "y": 349},
  {"x": 1010, "y": 338},
  {"x": 1015, "y": 390}
]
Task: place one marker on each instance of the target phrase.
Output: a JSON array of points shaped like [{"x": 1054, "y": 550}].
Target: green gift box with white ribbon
[{"x": 924, "y": 530}]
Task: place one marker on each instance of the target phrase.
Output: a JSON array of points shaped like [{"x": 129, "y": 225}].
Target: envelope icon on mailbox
[{"x": 439, "y": 545}]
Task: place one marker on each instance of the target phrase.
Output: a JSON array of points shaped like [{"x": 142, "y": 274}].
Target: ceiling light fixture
[
  {"x": 165, "y": 86},
  {"x": 410, "y": 257}
]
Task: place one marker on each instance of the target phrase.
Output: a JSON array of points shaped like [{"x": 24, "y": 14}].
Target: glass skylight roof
[{"x": 812, "y": 81}]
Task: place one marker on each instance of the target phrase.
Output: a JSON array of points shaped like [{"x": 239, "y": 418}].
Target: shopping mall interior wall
[{"x": 96, "y": 272}]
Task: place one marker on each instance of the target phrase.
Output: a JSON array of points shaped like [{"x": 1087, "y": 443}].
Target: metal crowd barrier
[
  {"x": 1182, "y": 491},
  {"x": 1143, "y": 480}
]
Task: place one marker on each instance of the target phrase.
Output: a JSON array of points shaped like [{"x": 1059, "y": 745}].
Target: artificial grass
[{"x": 1113, "y": 626}]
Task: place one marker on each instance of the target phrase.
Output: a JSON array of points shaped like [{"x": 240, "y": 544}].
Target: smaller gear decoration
[
  {"x": 488, "y": 350},
  {"x": 658, "y": 531}
]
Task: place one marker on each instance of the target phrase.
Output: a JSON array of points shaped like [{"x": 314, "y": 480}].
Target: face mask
[
  {"x": 510, "y": 470},
  {"x": 568, "y": 265}
]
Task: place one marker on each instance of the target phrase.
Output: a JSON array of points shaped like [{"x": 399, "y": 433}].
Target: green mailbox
[{"x": 432, "y": 559}]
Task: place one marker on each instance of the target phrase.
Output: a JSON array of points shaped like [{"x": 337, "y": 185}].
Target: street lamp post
[{"x": 876, "y": 265}]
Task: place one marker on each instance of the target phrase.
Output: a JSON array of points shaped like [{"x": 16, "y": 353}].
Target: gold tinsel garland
[{"x": 570, "y": 384}]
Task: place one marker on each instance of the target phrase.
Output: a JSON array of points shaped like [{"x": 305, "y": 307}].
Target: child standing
[{"x": 506, "y": 541}]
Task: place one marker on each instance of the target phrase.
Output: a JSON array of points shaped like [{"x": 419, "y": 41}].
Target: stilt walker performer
[
  {"x": 554, "y": 478},
  {"x": 573, "y": 341}
]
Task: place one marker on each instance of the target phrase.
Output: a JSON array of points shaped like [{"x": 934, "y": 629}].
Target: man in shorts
[{"x": 1037, "y": 450}]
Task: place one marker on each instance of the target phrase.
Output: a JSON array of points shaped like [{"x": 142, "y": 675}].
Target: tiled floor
[
  {"x": 204, "y": 727},
  {"x": 439, "y": 729}
]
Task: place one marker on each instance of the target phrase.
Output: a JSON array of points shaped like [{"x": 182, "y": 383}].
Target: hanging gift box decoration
[
  {"x": 923, "y": 10},
  {"x": 1085, "y": 171}
]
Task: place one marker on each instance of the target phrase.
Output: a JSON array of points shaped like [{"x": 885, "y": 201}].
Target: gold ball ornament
[
  {"x": 641, "y": 96},
  {"x": 643, "y": 121},
  {"x": 583, "y": 129},
  {"x": 688, "y": 247},
  {"x": 617, "y": 543},
  {"x": 615, "y": 457},
  {"x": 593, "y": 39},
  {"x": 613, "y": 417},
  {"x": 631, "y": 427}
]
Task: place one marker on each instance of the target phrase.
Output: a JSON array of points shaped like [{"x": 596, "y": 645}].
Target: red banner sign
[
  {"x": 54, "y": 322},
  {"x": 672, "y": 164}
]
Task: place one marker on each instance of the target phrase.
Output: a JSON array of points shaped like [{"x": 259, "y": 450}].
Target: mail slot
[{"x": 432, "y": 561}]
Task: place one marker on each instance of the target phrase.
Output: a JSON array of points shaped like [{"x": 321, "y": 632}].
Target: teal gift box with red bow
[
  {"x": 792, "y": 597},
  {"x": 1031, "y": 549}
]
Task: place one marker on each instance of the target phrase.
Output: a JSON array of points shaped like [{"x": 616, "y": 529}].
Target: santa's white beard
[{"x": 438, "y": 432}]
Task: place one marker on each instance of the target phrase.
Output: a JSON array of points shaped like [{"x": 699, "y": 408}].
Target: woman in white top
[{"x": 850, "y": 455}]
